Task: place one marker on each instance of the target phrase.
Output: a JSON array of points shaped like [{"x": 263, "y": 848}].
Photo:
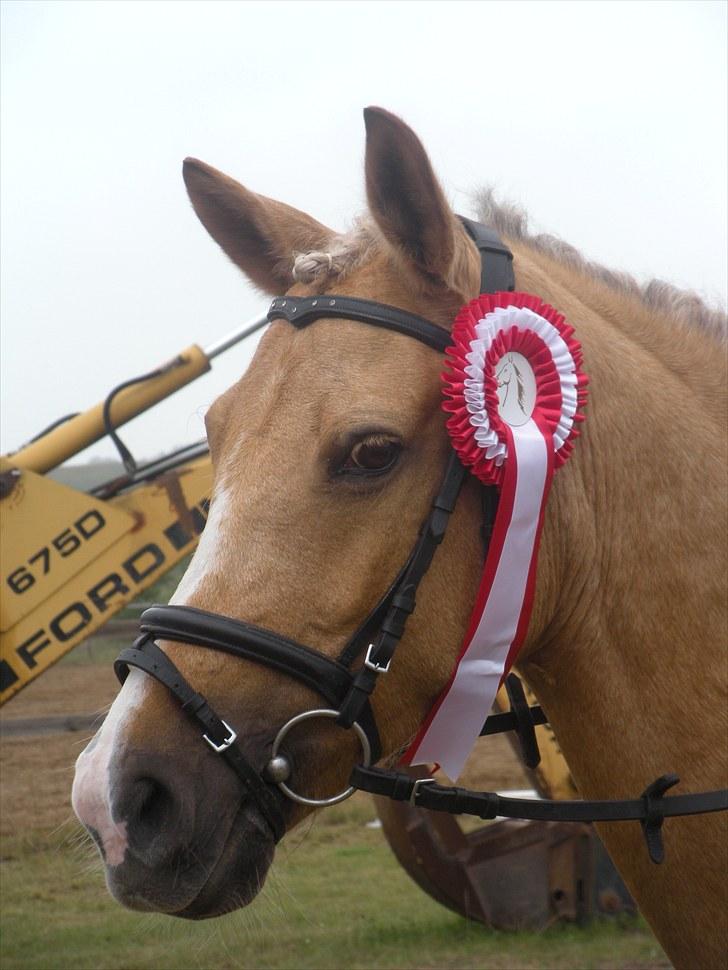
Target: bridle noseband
[{"x": 346, "y": 691}]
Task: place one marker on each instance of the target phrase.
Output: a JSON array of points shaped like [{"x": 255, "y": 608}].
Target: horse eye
[{"x": 371, "y": 456}]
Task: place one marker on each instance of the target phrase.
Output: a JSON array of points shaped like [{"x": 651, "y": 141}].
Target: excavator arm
[{"x": 70, "y": 560}]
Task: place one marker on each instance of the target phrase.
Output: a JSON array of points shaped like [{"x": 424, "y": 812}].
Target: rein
[{"x": 348, "y": 692}]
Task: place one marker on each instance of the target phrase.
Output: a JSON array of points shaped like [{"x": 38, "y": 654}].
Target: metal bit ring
[{"x": 307, "y": 715}]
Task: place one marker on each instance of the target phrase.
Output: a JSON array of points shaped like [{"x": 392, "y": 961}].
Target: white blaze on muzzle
[{"x": 93, "y": 781}]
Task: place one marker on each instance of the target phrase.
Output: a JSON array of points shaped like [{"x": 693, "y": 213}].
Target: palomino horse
[{"x": 327, "y": 453}]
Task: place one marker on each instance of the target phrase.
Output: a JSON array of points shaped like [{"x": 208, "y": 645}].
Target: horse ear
[
  {"x": 409, "y": 206},
  {"x": 259, "y": 235}
]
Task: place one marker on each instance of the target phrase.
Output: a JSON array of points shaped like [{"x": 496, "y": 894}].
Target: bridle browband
[{"x": 348, "y": 692}]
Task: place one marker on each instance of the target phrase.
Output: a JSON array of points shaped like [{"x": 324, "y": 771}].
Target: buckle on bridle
[
  {"x": 418, "y": 782},
  {"x": 230, "y": 739},
  {"x": 373, "y": 665}
]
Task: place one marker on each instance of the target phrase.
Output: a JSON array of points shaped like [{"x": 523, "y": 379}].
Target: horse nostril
[
  {"x": 151, "y": 812},
  {"x": 155, "y": 806}
]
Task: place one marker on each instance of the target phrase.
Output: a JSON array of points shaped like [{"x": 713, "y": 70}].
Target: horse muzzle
[{"x": 178, "y": 833}]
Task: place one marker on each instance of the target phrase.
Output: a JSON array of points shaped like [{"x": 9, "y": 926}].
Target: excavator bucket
[{"x": 509, "y": 874}]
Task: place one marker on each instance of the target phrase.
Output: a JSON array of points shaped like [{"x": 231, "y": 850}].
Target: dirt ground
[{"x": 37, "y": 772}]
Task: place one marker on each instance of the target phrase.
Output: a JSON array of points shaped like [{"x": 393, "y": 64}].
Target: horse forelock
[{"x": 343, "y": 254}]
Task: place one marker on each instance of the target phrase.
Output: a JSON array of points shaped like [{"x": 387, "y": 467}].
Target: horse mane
[{"x": 683, "y": 306}]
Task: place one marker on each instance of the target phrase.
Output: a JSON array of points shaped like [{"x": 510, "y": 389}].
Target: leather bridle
[{"x": 346, "y": 691}]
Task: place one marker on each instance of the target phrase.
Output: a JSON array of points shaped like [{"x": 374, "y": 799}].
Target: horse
[{"x": 327, "y": 453}]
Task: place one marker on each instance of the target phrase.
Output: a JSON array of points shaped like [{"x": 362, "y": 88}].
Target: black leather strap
[
  {"x": 368, "y": 630},
  {"x": 489, "y": 507},
  {"x": 462, "y": 801},
  {"x": 496, "y": 259},
  {"x": 650, "y": 809},
  {"x": 403, "y": 601},
  {"x": 302, "y": 311},
  {"x": 147, "y": 656},
  {"x": 499, "y": 723},
  {"x": 186, "y": 624},
  {"x": 327, "y": 677},
  {"x": 655, "y": 815},
  {"x": 525, "y": 724}
]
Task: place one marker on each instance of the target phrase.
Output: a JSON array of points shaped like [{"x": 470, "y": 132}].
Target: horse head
[{"x": 326, "y": 453}]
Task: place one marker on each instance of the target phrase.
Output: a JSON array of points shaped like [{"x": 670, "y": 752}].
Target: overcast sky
[{"x": 606, "y": 120}]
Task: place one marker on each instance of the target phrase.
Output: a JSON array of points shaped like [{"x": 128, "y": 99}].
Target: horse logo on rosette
[{"x": 516, "y": 389}]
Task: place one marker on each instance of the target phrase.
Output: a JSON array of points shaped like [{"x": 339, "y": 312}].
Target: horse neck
[{"x": 630, "y": 614}]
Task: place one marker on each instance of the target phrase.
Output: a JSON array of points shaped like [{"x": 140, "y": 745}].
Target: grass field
[{"x": 336, "y": 897}]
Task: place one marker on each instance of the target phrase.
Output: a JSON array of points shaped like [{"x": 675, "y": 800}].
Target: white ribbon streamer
[
  {"x": 526, "y": 454},
  {"x": 457, "y": 720}
]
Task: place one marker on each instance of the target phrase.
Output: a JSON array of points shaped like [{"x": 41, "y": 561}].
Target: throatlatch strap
[{"x": 147, "y": 656}]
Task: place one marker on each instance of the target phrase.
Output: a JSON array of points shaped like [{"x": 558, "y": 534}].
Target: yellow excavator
[{"x": 71, "y": 559}]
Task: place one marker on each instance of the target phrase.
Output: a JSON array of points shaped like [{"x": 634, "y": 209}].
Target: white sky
[{"x": 607, "y": 120}]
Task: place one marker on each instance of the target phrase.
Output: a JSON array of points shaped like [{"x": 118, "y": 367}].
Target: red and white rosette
[{"x": 514, "y": 392}]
